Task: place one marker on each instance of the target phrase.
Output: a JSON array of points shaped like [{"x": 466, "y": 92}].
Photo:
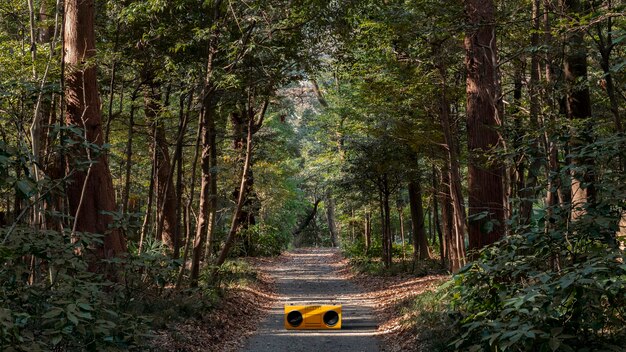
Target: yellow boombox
[{"x": 312, "y": 317}]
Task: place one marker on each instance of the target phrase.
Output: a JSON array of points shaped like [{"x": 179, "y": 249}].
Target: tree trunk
[
  {"x": 247, "y": 215},
  {"x": 204, "y": 213},
  {"x": 400, "y": 208},
  {"x": 578, "y": 109},
  {"x": 420, "y": 244},
  {"x": 367, "y": 233},
  {"x": 187, "y": 214},
  {"x": 330, "y": 217},
  {"x": 235, "y": 226},
  {"x": 385, "y": 212},
  {"x": 455, "y": 238},
  {"x": 146, "y": 218},
  {"x": 447, "y": 220},
  {"x": 486, "y": 193},
  {"x": 436, "y": 196},
  {"x": 183, "y": 115},
  {"x": 303, "y": 225},
  {"x": 91, "y": 191},
  {"x": 129, "y": 155},
  {"x": 164, "y": 187},
  {"x": 528, "y": 193}
]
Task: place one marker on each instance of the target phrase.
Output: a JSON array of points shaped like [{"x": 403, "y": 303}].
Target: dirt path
[{"x": 316, "y": 276}]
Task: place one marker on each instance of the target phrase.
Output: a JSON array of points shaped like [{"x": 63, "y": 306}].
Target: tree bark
[
  {"x": 367, "y": 233},
  {"x": 436, "y": 196},
  {"x": 385, "y": 214},
  {"x": 486, "y": 193},
  {"x": 247, "y": 216},
  {"x": 207, "y": 127},
  {"x": 91, "y": 191},
  {"x": 420, "y": 244}
]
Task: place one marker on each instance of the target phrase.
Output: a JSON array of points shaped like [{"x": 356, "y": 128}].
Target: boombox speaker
[{"x": 312, "y": 317}]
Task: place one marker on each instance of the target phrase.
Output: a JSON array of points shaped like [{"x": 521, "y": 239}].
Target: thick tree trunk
[
  {"x": 486, "y": 193},
  {"x": 420, "y": 244},
  {"x": 91, "y": 191}
]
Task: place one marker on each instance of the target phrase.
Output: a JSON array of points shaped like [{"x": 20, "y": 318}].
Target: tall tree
[
  {"x": 208, "y": 185},
  {"x": 486, "y": 191},
  {"x": 90, "y": 192},
  {"x": 420, "y": 243}
]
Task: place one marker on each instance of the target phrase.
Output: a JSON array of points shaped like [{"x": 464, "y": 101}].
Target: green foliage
[
  {"x": 267, "y": 240},
  {"x": 557, "y": 284},
  {"x": 233, "y": 272},
  {"x": 72, "y": 308},
  {"x": 511, "y": 301},
  {"x": 433, "y": 321},
  {"x": 69, "y": 307}
]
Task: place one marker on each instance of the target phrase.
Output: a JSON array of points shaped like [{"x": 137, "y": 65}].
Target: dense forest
[{"x": 145, "y": 145}]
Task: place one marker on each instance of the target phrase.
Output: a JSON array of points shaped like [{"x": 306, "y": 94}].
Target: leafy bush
[
  {"x": 270, "y": 241},
  {"x": 233, "y": 272},
  {"x": 50, "y": 300},
  {"x": 530, "y": 294},
  {"x": 70, "y": 308},
  {"x": 354, "y": 248},
  {"x": 262, "y": 240}
]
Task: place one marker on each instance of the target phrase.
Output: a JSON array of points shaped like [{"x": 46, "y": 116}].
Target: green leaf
[
  {"x": 73, "y": 318},
  {"x": 84, "y": 306},
  {"x": 554, "y": 344},
  {"x": 52, "y": 313}
]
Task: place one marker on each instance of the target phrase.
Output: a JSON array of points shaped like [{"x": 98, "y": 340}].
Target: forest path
[{"x": 316, "y": 276}]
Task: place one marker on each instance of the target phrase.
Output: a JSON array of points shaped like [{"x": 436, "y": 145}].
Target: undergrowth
[{"x": 49, "y": 300}]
